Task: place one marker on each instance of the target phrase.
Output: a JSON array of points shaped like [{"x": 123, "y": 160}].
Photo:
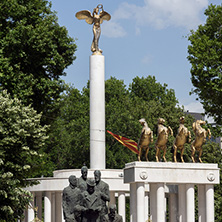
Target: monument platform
[
  {"x": 181, "y": 204},
  {"x": 171, "y": 173}
]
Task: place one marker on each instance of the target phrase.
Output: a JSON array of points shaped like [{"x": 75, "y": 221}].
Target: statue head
[
  {"x": 112, "y": 211},
  {"x": 91, "y": 186},
  {"x": 182, "y": 119},
  {"x": 97, "y": 175},
  {"x": 84, "y": 172},
  {"x": 72, "y": 181},
  {"x": 161, "y": 121},
  {"x": 142, "y": 121}
]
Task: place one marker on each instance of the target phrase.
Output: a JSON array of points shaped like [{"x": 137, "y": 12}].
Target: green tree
[
  {"x": 205, "y": 56},
  {"x": 34, "y": 51},
  {"x": 70, "y": 134},
  {"x": 21, "y": 139}
]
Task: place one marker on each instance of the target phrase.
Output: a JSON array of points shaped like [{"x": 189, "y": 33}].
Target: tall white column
[
  {"x": 133, "y": 204},
  {"x": 53, "y": 201},
  {"x": 153, "y": 202},
  {"x": 173, "y": 210},
  {"x": 31, "y": 213},
  {"x": 58, "y": 206},
  {"x": 97, "y": 112},
  {"x": 190, "y": 213},
  {"x": 47, "y": 206},
  {"x": 39, "y": 204},
  {"x": 146, "y": 206},
  {"x": 160, "y": 202},
  {"x": 122, "y": 205},
  {"x": 182, "y": 202},
  {"x": 140, "y": 199},
  {"x": 201, "y": 203},
  {"x": 209, "y": 203},
  {"x": 112, "y": 197}
]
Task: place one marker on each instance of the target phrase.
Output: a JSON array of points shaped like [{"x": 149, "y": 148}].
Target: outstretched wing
[
  {"x": 85, "y": 14},
  {"x": 104, "y": 16}
]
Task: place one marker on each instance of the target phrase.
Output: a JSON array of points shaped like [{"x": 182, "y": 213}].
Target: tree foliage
[
  {"x": 124, "y": 107},
  {"x": 34, "y": 51},
  {"x": 21, "y": 139},
  {"x": 205, "y": 56}
]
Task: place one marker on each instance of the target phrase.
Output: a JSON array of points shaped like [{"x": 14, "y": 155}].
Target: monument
[
  {"x": 149, "y": 185},
  {"x": 97, "y": 88}
]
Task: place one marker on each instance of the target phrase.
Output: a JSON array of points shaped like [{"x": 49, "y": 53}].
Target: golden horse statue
[
  {"x": 200, "y": 138},
  {"x": 182, "y": 135},
  {"x": 145, "y": 139},
  {"x": 162, "y": 139}
]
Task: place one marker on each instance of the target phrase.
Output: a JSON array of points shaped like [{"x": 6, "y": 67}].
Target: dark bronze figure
[
  {"x": 103, "y": 188},
  {"x": 70, "y": 201},
  {"x": 82, "y": 182},
  {"x": 91, "y": 203},
  {"x": 112, "y": 216}
]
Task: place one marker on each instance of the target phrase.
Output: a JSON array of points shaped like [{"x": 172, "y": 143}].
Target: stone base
[{"x": 181, "y": 204}]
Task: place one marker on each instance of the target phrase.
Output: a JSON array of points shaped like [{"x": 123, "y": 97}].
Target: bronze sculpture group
[
  {"x": 85, "y": 200},
  {"x": 183, "y": 136}
]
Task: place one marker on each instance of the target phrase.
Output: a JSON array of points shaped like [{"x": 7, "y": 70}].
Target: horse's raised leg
[
  {"x": 193, "y": 152},
  {"x": 147, "y": 150},
  {"x": 200, "y": 154},
  {"x": 175, "y": 153},
  {"x": 164, "y": 153},
  {"x": 139, "y": 155},
  {"x": 157, "y": 154},
  {"x": 181, "y": 154}
]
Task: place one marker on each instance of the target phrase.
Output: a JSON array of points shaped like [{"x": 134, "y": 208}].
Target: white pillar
[
  {"x": 173, "y": 210},
  {"x": 140, "y": 199},
  {"x": 209, "y": 203},
  {"x": 31, "y": 213},
  {"x": 58, "y": 206},
  {"x": 182, "y": 202},
  {"x": 190, "y": 213},
  {"x": 53, "y": 200},
  {"x": 160, "y": 202},
  {"x": 47, "y": 206},
  {"x": 133, "y": 204},
  {"x": 153, "y": 202},
  {"x": 122, "y": 205},
  {"x": 201, "y": 203},
  {"x": 39, "y": 204},
  {"x": 112, "y": 197},
  {"x": 146, "y": 206},
  {"x": 97, "y": 112}
]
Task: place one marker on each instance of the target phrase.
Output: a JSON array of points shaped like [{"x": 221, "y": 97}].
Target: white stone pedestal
[
  {"x": 97, "y": 112},
  {"x": 183, "y": 175}
]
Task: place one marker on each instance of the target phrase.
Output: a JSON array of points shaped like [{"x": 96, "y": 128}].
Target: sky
[{"x": 147, "y": 37}]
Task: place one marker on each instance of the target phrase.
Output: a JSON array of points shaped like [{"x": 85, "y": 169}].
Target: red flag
[{"x": 131, "y": 144}]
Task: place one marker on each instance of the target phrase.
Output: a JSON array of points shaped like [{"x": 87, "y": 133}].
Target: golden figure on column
[
  {"x": 96, "y": 18},
  {"x": 181, "y": 138},
  {"x": 200, "y": 138},
  {"x": 145, "y": 139},
  {"x": 162, "y": 138}
]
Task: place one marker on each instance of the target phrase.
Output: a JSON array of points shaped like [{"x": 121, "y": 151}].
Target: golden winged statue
[{"x": 96, "y": 18}]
